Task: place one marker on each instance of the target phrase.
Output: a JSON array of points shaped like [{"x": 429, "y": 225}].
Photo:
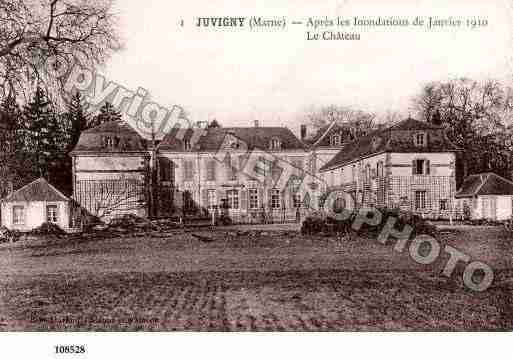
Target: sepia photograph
[{"x": 253, "y": 166}]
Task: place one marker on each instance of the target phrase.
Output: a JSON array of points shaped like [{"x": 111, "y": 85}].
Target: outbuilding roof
[
  {"x": 38, "y": 191},
  {"x": 485, "y": 184}
]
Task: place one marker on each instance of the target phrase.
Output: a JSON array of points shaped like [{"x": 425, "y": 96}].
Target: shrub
[
  {"x": 313, "y": 225},
  {"x": 318, "y": 223},
  {"x": 8, "y": 235},
  {"x": 47, "y": 229}
]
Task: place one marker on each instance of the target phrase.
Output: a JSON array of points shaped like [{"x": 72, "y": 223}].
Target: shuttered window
[
  {"x": 52, "y": 213},
  {"x": 18, "y": 215},
  {"x": 421, "y": 167},
  {"x": 233, "y": 198},
  {"x": 211, "y": 170},
  {"x": 275, "y": 199},
  {"x": 253, "y": 198},
  {"x": 188, "y": 170},
  {"x": 211, "y": 198}
]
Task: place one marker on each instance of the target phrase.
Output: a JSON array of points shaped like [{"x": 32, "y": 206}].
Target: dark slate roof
[
  {"x": 416, "y": 125},
  {"x": 322, "y": 136},
  {"x": 38, "y": 191},
  {"x": 485, "y": 184},
  {"x": 92, "y": 140},
  {"x": 212, "y": 139},
  {"x": 396, "y": 138}
]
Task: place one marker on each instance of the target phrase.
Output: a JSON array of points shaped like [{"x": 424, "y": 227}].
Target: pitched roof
[
  {"x": 128, "y": 140},
  {"x": 392, "y": 139},
  {"x": 212, "y": 139},
  {"x": 38, "y": 191},
  {"x": 485, "y": 184},
  {"x": 412, "y": 124},
  {"x": 321, "y": 137}
]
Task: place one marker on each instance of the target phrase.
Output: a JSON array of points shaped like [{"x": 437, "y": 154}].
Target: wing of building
[
  {"x": 410, "y": 165},
  {"x": 190, "y": 171},
  {"x": 486, "y": 196}
]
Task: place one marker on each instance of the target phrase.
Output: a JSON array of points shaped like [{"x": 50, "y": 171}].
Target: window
[
  {"x": 275, "y": 143},
  {"x": 367, "y": 173},
  {"x": 231, "y": 170},
  {"x": 233, "y": 198},
  {"x": 52, "y": 214},
  {"x": 421, "y": 167},
  {"x": 211, "y": 198},
  {"x": 107, "y": 142},
  {"x": 335, "y": 140},
  {"x": 263, "y": 167},
  {"x": 420, "y": 139},
  {"x": 296, "y": 199},
  {"x": 275, "y": 199},
  {"x": 18, "y": 215},
  {"x": 297, "y": 163},
  {"x": 187, "y": 145},
  {"x": 379, "y": 169},
  {"x": 420, "y": 199},
  {"x": 166, "y": 170},
  {"x": 444, "y": 205},
  {"x": 188, "y": 170},
  {"x": 339, "y": 205},
  {"x": 211, "y": 170},
  {"x": 253, "y": 198}
]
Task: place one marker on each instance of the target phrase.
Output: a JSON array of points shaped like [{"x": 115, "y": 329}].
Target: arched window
[{"x": 275, "y": 143}]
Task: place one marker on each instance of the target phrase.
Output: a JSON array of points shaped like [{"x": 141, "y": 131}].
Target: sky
[{"x": 276, "y": 76}]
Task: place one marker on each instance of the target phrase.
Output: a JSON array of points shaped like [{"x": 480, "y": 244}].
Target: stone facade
[{"x": 410, "y": 166}]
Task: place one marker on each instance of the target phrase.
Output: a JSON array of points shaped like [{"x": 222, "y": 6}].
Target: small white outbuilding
[
  {"x": 487, "y": 196},
  {"x": 34, "y": 204}
]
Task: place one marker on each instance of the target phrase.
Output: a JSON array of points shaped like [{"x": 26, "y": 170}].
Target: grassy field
[{"x": 241, "y": 283}]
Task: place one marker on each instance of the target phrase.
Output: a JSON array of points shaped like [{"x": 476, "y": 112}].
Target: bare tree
[
  {"x": 475, "y": 115},
  {"x": 108, "y": 198},
  {"x": 360, "y": 120},
  {"x": 34, "y": 31}
]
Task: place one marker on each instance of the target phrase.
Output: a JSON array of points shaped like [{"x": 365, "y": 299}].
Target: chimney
[
  {"x": 257, "y": 124},
  {"x": 303, "y": 132}
]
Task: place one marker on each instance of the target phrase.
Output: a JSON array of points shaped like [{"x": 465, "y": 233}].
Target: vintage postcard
[{"x": 255, "y": 166}]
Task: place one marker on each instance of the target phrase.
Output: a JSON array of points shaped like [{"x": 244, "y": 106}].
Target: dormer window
[
  {"x": 275, "y": 143},
  {"x": 335, "y": 140},
  {"x": 107, "y": 142},
  {"x": 187, "y": 145},
  {"x": 420, "y": 139}
]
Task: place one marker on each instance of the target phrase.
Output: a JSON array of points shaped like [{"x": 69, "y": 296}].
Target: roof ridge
[
  {"x": 331, "y": 125},
  {"x": 40, "y": 179}
]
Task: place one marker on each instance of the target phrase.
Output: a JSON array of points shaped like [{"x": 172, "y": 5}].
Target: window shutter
[
  {"x": 269, "y": 198},
  {"x": 184, "y": 170},
  {"x": 260, "y": 197},
  {"x": 244, "y": 199},
  {"x": 204, "y": 198},
  {"x": 428, "y": 167},
  {"x": 206, "y": 166},
  {"x": 414, "y": 167},
  {"x": 220, "y": 194}
]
